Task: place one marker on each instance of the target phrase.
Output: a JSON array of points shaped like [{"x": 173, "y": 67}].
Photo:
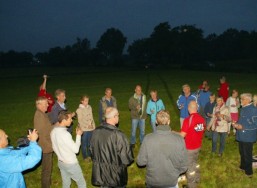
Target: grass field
[{"x": 19, "y": 88}]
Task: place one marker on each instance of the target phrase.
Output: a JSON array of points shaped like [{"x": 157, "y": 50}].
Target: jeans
[
  {"x": 71, "y": 171},
  {"x": 85, "y": 143},
  {"x": 46, "y": 170},
  {"x": 223, "y": 136},
  {"x": 135, "y": 123},
  {"x": 246, "y": 153},
  {"x": 153, "y": 124},
  {"x": 193, "y": 171}
]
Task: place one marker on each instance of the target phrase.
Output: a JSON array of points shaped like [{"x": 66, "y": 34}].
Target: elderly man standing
[
  {"x": 43, "y": 125},
  {"x": 183, "y": 101},
  {"x": 107, "y": 101},
  {"x": 193, "y": 130},
  {"x": 246, "y": 133},
  {"x": 111, "y": 153},
  {"x": 164, "y": 154},
  {"x": 14, "y": 162},
  {"x": 137, "y": 107}
]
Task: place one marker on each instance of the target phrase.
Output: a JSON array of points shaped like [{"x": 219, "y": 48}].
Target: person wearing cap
[
  {"x": 223, "y": 90},
  {"x": 14, "y": 161},
  {"x": 110, "y": 153},
  {"x": 164, "y": 154}
]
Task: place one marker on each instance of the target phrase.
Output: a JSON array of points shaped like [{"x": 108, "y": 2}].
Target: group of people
[{"x": 166, "y": 154}]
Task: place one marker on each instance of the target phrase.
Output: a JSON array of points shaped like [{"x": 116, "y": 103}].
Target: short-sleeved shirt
[{"x": 193, "y": 126}]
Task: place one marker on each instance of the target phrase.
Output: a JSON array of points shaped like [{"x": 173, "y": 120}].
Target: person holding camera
[
  {"x": 14, "y": 161},
  {"x": 44, "y": 127}
]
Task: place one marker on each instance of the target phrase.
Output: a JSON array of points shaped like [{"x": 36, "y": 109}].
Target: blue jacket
[
  {"x": 156, "y": 107},
  {"x": 248, "y": 119},
  {"x": 13, "y": 162},
  {"x": 204, "y": 98},
  {"x": 183, "y": 100}
]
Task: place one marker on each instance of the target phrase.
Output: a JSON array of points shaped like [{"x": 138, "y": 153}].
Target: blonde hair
[{"x": 163, "y": 117}]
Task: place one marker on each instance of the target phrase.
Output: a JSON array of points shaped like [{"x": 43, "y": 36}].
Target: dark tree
[{"x": 111, "y": 44}]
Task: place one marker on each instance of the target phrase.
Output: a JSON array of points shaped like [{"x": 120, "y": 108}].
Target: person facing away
[
  {"x": 219, "y": 125},
  {"x": 203, "y": 99},
  {"x": 106, "y": 101},
  {"x": 246, "y": 133},
  {"x": 111, "y": 153},
  {"x": 14, "y": 161},
  {"x": 164, "y": 154},
  {"x": 59, "y": 106},
  {"x": 183, "y": 101},
  {"x": 137, "y": 107},
  {"x": 43, "y": 125},
  {"x": 44, "y": 93},
  {"x": 223, "y": 90},
  {"x": 154, "y": 105},
  {"x": 87, "y": 125},
  {"x": 193, "y": 130},
  {"x": 66, "y": 149}
]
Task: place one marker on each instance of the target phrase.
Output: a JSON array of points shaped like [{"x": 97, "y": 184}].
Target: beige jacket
[
  {"x": 220, "y": 124},
  {"x": 85, "y": 118}
]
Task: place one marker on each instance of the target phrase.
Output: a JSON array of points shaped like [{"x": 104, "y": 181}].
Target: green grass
[{"x": 20, "y": 87}]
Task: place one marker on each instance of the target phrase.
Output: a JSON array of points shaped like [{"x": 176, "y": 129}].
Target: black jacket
[{"x": 111, "y": 154}]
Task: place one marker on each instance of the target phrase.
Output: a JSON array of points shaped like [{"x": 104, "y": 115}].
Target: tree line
[{"x": 183, "y": 46}]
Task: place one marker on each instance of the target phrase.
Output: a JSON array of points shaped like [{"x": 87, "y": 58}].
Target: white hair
[
  {"x": 247, "y": 96},
  {"x": 110, "y": 112}
]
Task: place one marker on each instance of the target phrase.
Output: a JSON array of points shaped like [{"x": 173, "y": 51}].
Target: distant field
[{"x": 19, "y": 88}]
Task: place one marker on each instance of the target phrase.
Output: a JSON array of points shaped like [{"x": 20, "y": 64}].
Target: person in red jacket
[
  {"x": 223, "y": 90},
  {"x": 43, "y": 93}
]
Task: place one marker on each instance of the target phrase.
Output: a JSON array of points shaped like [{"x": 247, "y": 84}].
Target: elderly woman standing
[{"x": 219, "y": 125}]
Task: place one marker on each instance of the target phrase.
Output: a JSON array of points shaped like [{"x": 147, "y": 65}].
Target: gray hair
[
  {"x": 247, "y": 96},
  {"x": 110, "y": 112},
  {"x": 163, "y": 117}
]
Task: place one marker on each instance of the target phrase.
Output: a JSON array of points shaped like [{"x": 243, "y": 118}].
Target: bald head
[
  {"x": 192, "y": 107},
  {"x": 3, "y": 139}
]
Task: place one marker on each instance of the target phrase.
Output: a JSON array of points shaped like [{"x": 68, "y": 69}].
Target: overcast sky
[{"x": 37, "y": 25}]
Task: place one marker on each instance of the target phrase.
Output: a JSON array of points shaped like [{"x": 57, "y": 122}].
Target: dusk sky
[{"x": 37, "y": 25}]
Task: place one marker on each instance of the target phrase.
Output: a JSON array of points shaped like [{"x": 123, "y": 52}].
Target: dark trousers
[
  {"x": 46, "y": 170},
  {"x": 246, "y": 152}
]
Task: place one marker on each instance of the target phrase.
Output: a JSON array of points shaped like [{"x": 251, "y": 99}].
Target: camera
[{"x": 24, "y": 141}]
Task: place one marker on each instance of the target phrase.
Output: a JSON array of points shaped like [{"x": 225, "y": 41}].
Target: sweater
[
  {"x": 63, "y": 145},
  {"x": 165, "y": 156},
  {"x": 248, "y": 119}
]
